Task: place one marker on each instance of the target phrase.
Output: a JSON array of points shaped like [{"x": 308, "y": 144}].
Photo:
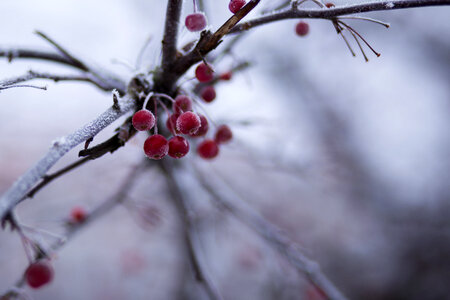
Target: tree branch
[
  {"x": 177, "y": 186},
  {"x": 169, "y": 42},
  {"x": 225, "y": 197},
  {"x": 87, "y": 77},
  {"x": 329, "y": 13},
  {"x": 59, "y": 148}
]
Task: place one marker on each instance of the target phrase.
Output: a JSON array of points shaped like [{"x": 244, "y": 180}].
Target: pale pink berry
[
  {"x": 182, "y": 103},
  {"x": 188, "y": 123},
  {"x": 203, "y": 127},
  {"x": 208, "y": 93},
  {"x": 204, "y": 73},
  {"x": 223, "y": 134},
  {"x": 236, "y": 5},
  {"x": 39, "y": 273},
  {"x": 208, "y": 149},
  {"x": 156, "y": 146},
  {"x": 195, "y": 22},
  {"x": 143, "y": 120},
  {"x": 226, "y": 76},
  {"x": 178, "y": 147},
  {"x": 78, "y": 214},
  {"x": 302, "y": 28}
]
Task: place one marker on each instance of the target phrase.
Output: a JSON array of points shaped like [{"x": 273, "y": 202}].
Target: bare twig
[
  {"x": 226, "y": 198},
  {"x": 87, "y": 77},
  {"x": 330, "y": 13},
  {"x": 59, "y": 148},
  {"x": 177, "y": 186},
  {"x": 49, "y": 178},
  {"x": 169, "y": 43}
]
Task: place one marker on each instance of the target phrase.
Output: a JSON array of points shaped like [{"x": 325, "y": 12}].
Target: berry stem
[
  {"x": 155, "y": 105},
  {"x": 387, "y": 25},
  {"x": 354, "y": 31},
  {"x": 146, "y": 100}
]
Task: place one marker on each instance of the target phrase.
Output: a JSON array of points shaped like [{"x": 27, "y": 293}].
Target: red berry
[
  {"x": 178, "y": 147},
  {"x": 156, "y": 146},
  {"x": 188, "y": 123},
  {"x": 143, "y": 120},
  {"x": 208, "y": 149},
  {"x": 203, "y": 127},
  {"x": 208, "y": 93},
  {"x": 171, "y": 123},
  {"x": 204, "y": 73},
  {"x": 223, "y": 134},
  {"x": 39, "y": 273},
  {"x": 78, "y": 214},
  {"x": 236, "y": 5},
  {"x": 226, "y": 76},
  {"x": 182, "y": 103},
  {"x": 302, "y": 28},
  {"x": 329, "y": 5},
  {"x": 195, "y": 22}
]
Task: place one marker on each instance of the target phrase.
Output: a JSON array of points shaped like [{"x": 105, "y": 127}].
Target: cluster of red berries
[{"x": 184, "y": 121}]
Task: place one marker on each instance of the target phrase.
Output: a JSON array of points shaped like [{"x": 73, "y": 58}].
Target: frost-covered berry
[
  {"x": 78, "y": 214},
  {"x": 188, "y": 123},
  {"x": 223, "y": 134},
  {"x": 143, "y": 120},
  {"x": 171, "y": 123},
  {"x": 329, "y": 5},
  {"x": 178, "y": 147},
  {"x": 195, "y": 22},
  {"x": 208, "y": 93},
  {"x": 302, "y": 28},
  {"x": 156, "y": 146},
  {"x": 39, "y": 273},
  {"x": 236, "y": 5},
  {"x": 204, "y": 126},
  {"x": 182, "y": 103},
  {"x": 204, "y": 73},
  {"x": 226, "y": 76},
  {"x": 208, "y": 149}
]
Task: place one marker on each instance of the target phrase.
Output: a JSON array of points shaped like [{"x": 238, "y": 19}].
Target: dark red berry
[
  {"x": 302, "y": 28},
  {"x": 208, "y": 149},
  {"x": 329, "y": 5},
  {"x": 156, "y": 146},
  {"x": 39, "y": 273},
  {"x": 188, "y": 123},
  {"x": 178, "y": 147},
  {"x": 143, "y": 120},
  {"x": 223, "y": 134},
  {"x": 195, "y": 22},
  {"x": 182, "y": 103},
  {"x": 171, "y": 123},
  {"x": 208, "y": 93},
  {"x": 78, "y": 214},
  {"x": 236, "y": 5},
  {"x": 204, "y": 73},
  {"x": 203, "y": 127},
  {"x": 226, "y": 76}
]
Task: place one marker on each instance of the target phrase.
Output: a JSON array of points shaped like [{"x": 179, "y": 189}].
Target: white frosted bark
[{"x": 57, "y": 150}]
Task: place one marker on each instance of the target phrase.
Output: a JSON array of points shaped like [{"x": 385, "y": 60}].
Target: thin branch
[
  {"x": 177, "y": 186},
  {"x": 330, "y": 13},
  {"x": 226, "y": 198},
  {"x": 49, "y": 178},
  {"x": 86, "y": 77},
  {"x": 59, "y": 148},
  {"x": 100, "y": 78},
  {"x": 169, "y": 42},
  {"x": 63, "y": 51}
]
